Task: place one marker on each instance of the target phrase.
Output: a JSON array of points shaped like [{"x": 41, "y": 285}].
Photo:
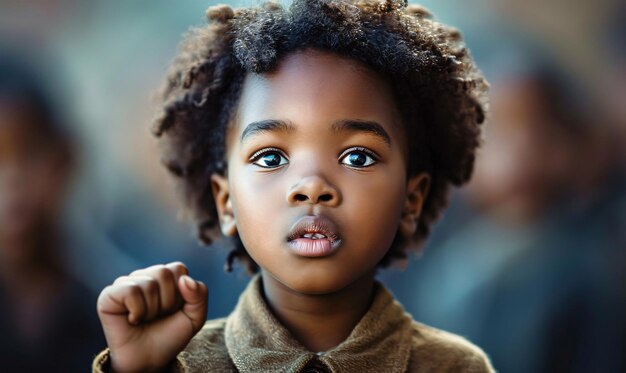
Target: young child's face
[{"x": 316, "y": 185}]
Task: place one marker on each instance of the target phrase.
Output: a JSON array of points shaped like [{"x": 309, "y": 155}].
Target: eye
[
  {"x": 269, "y": 158},
  {"x": 358, "y": 157}
]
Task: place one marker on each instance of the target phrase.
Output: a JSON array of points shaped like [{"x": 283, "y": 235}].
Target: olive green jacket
[{"x": 386, "y": 339}]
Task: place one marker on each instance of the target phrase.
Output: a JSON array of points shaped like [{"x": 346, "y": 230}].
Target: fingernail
[{"x": 191, "y": 284}]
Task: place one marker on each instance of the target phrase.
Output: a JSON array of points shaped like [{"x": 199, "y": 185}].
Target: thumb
[{"x": 194, "y": 294}]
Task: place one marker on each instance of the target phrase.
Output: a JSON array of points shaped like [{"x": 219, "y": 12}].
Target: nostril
[
  {"x": 301, "y": 197},
  {"x": 325, "y": 197}
]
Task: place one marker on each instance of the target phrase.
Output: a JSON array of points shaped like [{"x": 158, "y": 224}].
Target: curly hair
[{"x": 439, "y": 91}]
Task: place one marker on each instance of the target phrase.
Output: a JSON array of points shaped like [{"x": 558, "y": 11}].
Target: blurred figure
[
  {"x": 553, "y": 202},
  {"x": 535, "y": 275},
  {"x": 47, "y": 320}
]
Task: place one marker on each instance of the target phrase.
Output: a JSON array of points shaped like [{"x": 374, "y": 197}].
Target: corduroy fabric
[
  {"x": 386, "y": 339},
  {"x": 385, "y": 330}
]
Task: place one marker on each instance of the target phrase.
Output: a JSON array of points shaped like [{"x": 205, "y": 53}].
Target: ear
[
  {"x": 223, "y": 204},
  {"x": 416, "y": 192}
]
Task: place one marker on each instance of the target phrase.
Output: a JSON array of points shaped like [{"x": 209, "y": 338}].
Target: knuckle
[
  {"x": 163, "y": 274},
  {"x": 120, "y": 280},
  {"x": 144, "y": 271},
  {"x": 154, "y": 268},
  {"x": 136, "y": 272},
  {"x": 178, "y": 266}
]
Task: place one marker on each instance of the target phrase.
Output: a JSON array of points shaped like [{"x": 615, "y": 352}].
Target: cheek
[
  {"x": 258, "y": 201},
  {"x": 374, "y": 208},
  {"x": 368, "y": 217},
  {"x": 374, "y": 199}
]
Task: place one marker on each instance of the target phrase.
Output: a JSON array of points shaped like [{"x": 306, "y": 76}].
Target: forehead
[{"x": 317, "y": 88}]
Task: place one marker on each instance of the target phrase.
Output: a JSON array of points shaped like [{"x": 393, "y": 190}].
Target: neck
[{"x": 319, "y": 321}]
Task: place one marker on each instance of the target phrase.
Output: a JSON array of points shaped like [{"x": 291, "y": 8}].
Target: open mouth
[{"x": 314, "y": 236}]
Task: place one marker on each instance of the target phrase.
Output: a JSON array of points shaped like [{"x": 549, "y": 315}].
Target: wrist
[{"x": 115, "y": 367}]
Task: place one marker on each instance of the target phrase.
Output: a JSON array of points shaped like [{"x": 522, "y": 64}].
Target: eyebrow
[
  {"x": 269, "y": 125},
  {"x": 357, "y": 125},
  {"x": 350, "y": 125}
]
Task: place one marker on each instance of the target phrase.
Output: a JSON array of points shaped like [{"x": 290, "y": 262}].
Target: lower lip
[{"x": 313, "y": 248}]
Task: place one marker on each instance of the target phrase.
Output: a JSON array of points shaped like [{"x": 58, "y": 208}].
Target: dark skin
[
  {"x": 320, "y": 137},
  {"x": 319, "y": 322},
  {"x": 353, "y": 174}
]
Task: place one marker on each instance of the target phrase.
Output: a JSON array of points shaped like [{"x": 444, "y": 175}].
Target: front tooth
[{"x": 314, "y": 236}]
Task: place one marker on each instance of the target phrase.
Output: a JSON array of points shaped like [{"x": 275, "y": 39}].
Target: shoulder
[
  {"x": 207, "y": 350},
  {"x": 435, "y": 350}
]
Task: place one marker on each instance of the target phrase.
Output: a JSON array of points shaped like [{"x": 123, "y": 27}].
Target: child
[{"x": 323, "y": 140}]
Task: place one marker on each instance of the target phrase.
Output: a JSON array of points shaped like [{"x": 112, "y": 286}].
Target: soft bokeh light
[{"x": 528, "y": 263}]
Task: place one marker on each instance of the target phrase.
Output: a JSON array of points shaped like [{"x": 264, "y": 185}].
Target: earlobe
[
  {"x": 223, "y": 204},
  {"x": 416, "y": 193}
]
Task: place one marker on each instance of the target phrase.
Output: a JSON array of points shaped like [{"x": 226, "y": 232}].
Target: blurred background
[{"x": 529, "y": 262}]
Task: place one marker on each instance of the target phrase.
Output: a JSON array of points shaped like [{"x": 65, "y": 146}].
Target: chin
[{"x": 315, "y": 280}]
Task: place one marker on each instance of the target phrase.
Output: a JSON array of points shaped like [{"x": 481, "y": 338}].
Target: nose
[{"x": 313, "y": 190}]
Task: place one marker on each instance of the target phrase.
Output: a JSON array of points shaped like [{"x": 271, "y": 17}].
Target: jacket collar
[{"x": 256, "y": 340}]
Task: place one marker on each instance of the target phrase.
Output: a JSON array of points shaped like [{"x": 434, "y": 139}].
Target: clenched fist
[{"x": 149, "y": 316}]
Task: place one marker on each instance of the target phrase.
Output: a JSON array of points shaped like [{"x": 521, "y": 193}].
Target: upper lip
[{"x": 314, "y": 224}]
